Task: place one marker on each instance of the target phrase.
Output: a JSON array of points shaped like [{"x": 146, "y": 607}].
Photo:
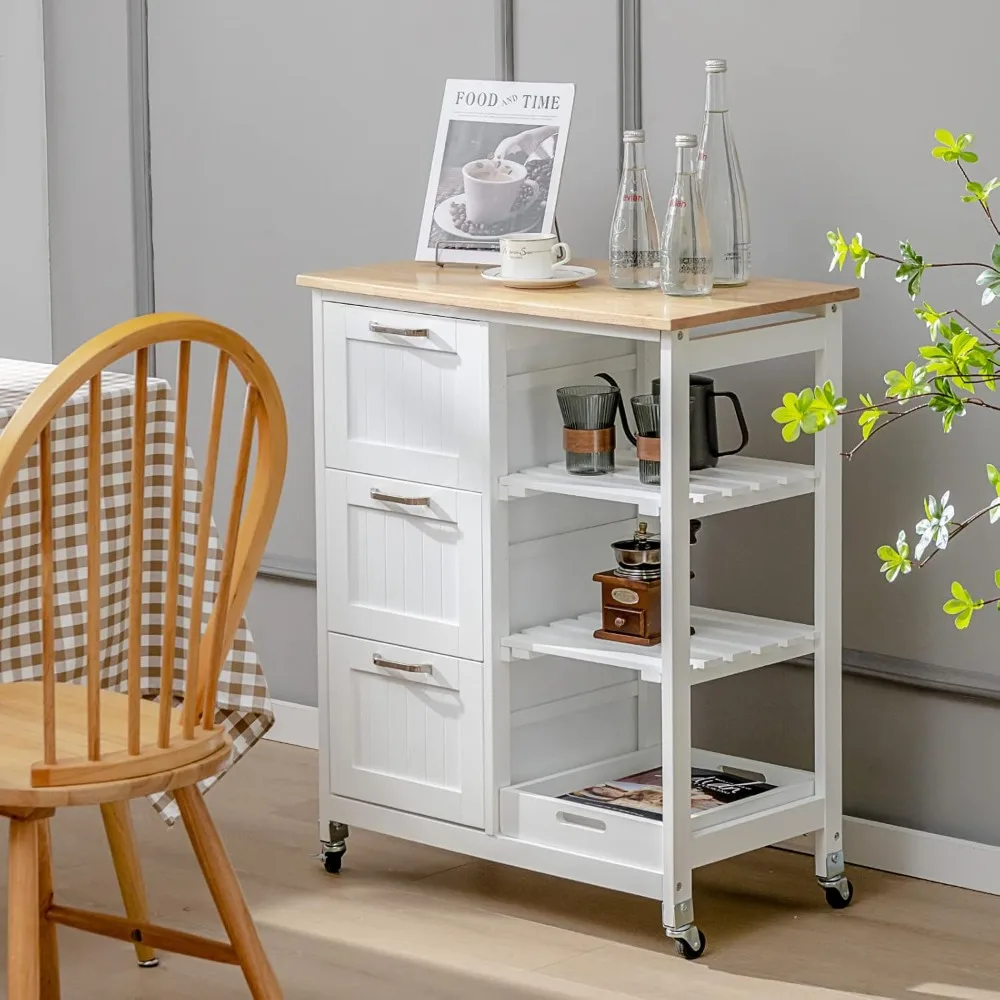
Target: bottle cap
[
  {"x": 634, "y": 135},
  {"x": 685, "y": 141},
  {"x": 715, "y": 66}
]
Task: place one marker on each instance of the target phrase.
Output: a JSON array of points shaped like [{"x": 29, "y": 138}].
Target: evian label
[{"x": 624, "y": 596}]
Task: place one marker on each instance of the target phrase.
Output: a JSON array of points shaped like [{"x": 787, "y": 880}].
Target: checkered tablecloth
[{"x": 244, "y": 707}]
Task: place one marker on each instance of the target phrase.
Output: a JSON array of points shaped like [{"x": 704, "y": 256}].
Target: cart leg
[
  {"x": 334, "y": 847},
  {"x": 829, "y": 841},
  {"x": 675, "y": 689}
]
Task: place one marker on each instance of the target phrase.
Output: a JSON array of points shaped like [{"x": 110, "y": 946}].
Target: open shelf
[
  {"x": 724, "y": 643},
  {"x": 737, "y": 481},
  {"x": 533, "y": 811}
]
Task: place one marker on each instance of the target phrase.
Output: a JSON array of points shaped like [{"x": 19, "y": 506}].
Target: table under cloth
[{"x": 244, "y": 706}]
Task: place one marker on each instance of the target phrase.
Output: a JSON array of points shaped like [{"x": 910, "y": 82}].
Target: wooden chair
[{"x": 69, "y": 744}]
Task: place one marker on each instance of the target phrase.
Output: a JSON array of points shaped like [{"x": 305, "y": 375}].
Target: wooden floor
[{"x": 404, "y": 921}]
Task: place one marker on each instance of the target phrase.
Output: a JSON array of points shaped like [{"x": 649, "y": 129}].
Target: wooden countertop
[{"x": 594, "y": 301}]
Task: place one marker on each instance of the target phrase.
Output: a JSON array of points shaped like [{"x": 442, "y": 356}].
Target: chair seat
[{"x": 22, "y": 749}]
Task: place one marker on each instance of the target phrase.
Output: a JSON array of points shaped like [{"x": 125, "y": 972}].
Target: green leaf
[
  {"x": 869, "y": 417},
  {"x": 840, "y": 249},
  {"x": 912, "y": 381},
  {"x": 989, "y": 281},
  {"x": 944, "y": 137},
  {"x": 860, "y": 255},
  {"x": 996, "y": 578},
  {"x": 993, "y": 476},
  {"x": 995, "y": 256},
  {"x": 946, "y": 402},
  {"x": 795, "y": 415},
  {"x": 932, "y": 318},
  {"x": 962, "y": 605},
  {"x": 911, "y": 270},
  {"x": 969, "y": 157},
  {"x": 895, "y": 559}
]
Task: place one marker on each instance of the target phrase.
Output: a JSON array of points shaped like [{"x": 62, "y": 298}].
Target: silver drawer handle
[
  {"x": 409, "y": 668},
  {"x": 398, "y": 332},
  {"x": 406, "y": 501}
]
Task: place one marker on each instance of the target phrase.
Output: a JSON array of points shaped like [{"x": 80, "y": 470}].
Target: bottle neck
[
  {"x": 634, "y": 156},
  {"x": 715, "y": 93},
  {"x": 685, "y": 159}
]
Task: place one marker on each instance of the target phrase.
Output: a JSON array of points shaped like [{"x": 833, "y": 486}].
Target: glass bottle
[
  {"x": 722, "y": 183},
  {"x": 686, "y": 245},
  {"x": 633, "y": 247}
]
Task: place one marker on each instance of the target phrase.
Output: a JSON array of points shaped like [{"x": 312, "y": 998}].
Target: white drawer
[
  {"x": 410, "y": 571},
  {"x": 406, "y": 729},
  {"x": 405, "y": 395}
]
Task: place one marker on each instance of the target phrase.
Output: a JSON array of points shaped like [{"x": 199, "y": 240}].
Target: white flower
[{"x": 934, "y": 527}]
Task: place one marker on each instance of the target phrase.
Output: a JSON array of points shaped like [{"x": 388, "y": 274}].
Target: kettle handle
[
  {"x": 734, "y": 399},
  {"x": 621, "y": 405}
]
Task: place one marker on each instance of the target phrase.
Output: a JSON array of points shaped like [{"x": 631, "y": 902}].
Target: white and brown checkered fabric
[{"x": 244, "y": 706}]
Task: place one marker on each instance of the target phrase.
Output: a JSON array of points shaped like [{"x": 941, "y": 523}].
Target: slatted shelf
[
  {"x": 737, "y": 481},
  {"x": 724, "y": 643}
]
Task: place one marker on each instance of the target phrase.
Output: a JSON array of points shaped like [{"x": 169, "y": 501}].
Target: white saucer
[
  {"x": 442, "y": 216},
  {"x": 562, "y": 277}
]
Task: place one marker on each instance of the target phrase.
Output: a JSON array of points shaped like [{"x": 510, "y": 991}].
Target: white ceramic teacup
[
  {"x": 532, "y": 255},
  {"x": 491, "y": 187}
]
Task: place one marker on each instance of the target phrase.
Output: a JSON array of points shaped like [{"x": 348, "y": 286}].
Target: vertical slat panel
[
  {"x": 201, "y": 546},
  {"x": 94, "y": 566},
  {"x": 229, "y": 554},
  {"x": 174, "y": 545},
  {"x": 136, "y": 551},
  {"x": 48, "y": 596}
]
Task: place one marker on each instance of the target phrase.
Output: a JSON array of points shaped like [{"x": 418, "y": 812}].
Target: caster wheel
[
  {"x": 332, "y": 861},
  {"x": 684, "y": 949},
  {"x": 838, "y": 901}
]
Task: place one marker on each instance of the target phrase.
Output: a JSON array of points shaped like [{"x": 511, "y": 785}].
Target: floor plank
[{"x": 406, "y": 920}]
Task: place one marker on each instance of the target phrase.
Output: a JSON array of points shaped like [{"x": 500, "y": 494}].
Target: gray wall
[
  {"x": 827, "y": 137},
  {"x": 90, "y": 201}
]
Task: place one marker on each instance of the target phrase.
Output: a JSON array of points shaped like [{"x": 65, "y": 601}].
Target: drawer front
[
  {"x": 405, "y": 395},
  {"x": 406, "y": 729},
  {"x": 405, "y": 561}
]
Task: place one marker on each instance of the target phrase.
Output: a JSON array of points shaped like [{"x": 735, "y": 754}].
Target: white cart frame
[{"x": 518, "y": 817}]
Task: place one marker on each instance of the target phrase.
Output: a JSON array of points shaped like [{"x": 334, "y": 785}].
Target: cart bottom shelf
[{"x": 533, "y": 812}]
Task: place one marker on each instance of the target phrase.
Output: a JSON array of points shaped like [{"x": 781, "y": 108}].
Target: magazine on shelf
[{"x": 642, "y": 794}]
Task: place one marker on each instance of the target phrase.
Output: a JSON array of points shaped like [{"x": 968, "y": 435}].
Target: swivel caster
[
  {"x": 839, "y": 896},
  {"x": 691, "y": 944},
  {"x": 332, "y": 860}
]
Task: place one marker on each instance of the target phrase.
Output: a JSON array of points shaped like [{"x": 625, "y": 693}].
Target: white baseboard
[
  {"x": 295, "y": 724},
  {"x": 897, "y": 849},
  {"x": 929, "y": 856}
]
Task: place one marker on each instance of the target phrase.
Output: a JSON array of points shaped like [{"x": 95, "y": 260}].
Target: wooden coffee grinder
[{"x": 630, "y": 593}]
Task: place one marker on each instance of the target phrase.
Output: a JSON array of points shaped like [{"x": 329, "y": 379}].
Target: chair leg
[
  {"x": 225, "y": 889},
  {"x": 49, "y": 948},
  {"x": 117, "y": 818},
  {"x": 23, "y": 931}
]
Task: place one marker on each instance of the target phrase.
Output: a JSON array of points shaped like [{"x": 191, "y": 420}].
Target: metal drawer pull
[
  {"x": 410, "y": 668},
  {"x": 398, "y": 332},
  {"x": 406, "y": 501}
]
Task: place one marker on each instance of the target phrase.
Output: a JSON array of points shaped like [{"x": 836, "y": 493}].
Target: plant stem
[
  {"x": 896, "y": 416},
  {"x": 952, "y": 263},
  {"x": 957, "y": 529},
  {"x": 986, "y": 208},
  {"x": 975, "y": 326}
]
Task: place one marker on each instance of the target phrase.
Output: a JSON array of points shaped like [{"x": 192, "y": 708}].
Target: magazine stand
[
  {"x": 474, "y": 245},
  {"x": 463, "y": 693}
]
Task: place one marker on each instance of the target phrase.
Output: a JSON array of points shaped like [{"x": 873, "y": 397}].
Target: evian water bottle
[
  {"x": 634, "y": 244},
  {"x": 685, "y": 249},
  {"x": 722, "y": 184}
]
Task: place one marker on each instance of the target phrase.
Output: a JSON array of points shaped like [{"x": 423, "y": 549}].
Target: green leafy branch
[{"x": 960, "y": 359}]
